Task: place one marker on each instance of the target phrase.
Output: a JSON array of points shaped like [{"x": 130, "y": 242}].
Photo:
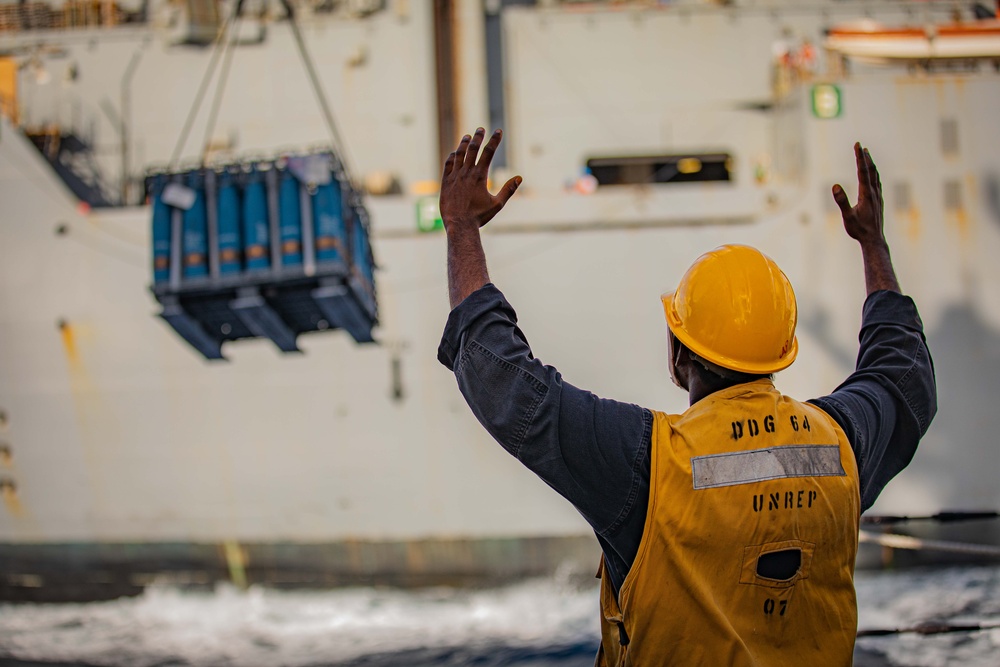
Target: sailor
[{"x": 730, "y": 531}]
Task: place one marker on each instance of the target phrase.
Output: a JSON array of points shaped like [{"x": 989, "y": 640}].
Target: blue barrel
[
  {"x": 328, "y": 221},
  {"x": 195, "y": 242},
  {"x": 256, "y": 248},
  {"x": 161, "y": 229},
  {"x": 362, "y": 249},
  {"x": 290, "y": 215},
  {"x": 230, "y": 241},
  {"x": 363, "y": 270}
]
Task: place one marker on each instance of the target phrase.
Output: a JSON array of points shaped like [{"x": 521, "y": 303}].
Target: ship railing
[{"x": 68, "y": 133}]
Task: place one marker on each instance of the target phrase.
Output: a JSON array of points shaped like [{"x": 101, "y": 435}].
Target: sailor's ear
[{"x": 678, "y": 361}]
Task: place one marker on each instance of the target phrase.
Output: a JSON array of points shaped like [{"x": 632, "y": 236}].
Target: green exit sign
[
  {"x": 429, "y": 215},
  {"x": 826, "y": 101}
]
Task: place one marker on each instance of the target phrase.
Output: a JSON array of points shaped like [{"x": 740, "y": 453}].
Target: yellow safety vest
[{"x": 747, "y": 555}]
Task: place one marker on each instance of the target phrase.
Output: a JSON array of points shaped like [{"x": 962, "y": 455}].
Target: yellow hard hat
[{"x": 735, "y": 308}]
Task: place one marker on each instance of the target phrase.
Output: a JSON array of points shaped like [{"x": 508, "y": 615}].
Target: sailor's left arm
[{"x": 886, "y": 405}]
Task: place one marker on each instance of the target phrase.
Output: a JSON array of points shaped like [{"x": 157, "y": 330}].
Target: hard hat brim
[{"x": 741, "y": 365}]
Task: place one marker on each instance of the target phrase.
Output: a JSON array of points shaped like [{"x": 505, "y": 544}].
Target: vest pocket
[{"x": 776, "y": 564}]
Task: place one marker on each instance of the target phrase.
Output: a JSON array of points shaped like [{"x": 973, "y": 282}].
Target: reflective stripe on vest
[{"x": 747, "y": 556}]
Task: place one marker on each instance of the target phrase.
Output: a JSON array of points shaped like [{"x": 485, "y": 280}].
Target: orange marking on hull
[
  {"x": 11, "y": 501},
  {"x": 69, "y": 342},
  {"x": 913, "y": 228}
]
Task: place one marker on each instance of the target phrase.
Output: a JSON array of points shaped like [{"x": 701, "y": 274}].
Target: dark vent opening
[
  {"x": 949, "y": 136},
  {"x": 952, "y": 196}
]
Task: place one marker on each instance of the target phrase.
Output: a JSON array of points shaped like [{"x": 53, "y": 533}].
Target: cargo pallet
[{"x": 262, "y": 249}]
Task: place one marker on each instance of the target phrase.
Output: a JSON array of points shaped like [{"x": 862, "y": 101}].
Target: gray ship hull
[{"x": 349, "y": 463}]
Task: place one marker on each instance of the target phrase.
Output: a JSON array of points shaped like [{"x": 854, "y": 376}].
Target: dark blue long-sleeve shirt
[{"x": 595, "y": 452}]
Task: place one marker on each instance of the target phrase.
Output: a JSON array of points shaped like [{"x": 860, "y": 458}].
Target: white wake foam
[
  {"x": 269, "y": 627},
  {"x": 167, "y": 626}
]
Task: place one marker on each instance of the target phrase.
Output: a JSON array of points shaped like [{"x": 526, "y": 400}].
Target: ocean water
[
  {"x": 908, "y": 598},
  {"x": 538, "y": 623}
]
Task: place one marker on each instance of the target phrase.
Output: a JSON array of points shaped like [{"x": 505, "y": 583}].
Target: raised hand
[
  {"x": 863, "y": 222},
  {"x": 465, "y": 199}
]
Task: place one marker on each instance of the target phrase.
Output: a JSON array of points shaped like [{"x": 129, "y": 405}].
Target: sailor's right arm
[
  {"x": 592, "y": 451},
  {"x": 467, "y": 205}
]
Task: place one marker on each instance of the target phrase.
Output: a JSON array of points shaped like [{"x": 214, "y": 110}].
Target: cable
[
  {"x": 929, "y": 629},
  {"x": 227, "y": 46},
  {"x": 227, "y": 62},
  {"x": 338, "y": 144},
  {"x": 940, "y": 517},
  {"x": 203, "y": 88},
  {"x": 916, "y": 544}
]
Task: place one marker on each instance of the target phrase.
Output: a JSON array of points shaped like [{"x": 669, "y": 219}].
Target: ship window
[
  {"x": 902, "y": 196},
  {"x": 952, "y": 195},
  {"x": 949, "y": 136},
  {"x": 645, "y": 169}
]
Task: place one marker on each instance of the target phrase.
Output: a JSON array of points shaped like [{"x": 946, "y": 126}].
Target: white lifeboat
[{"x": 870, "y": 41}]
